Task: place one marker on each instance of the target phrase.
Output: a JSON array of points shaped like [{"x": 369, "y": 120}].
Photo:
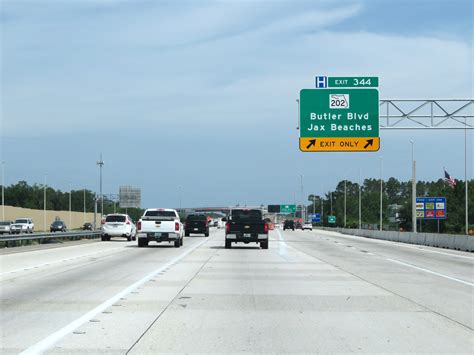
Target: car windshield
[
  {"x": 58, "y": 223},
  {"x": 115, "y": 218},
  {"x": 22, "y": 221},
  {"x": 5, "y": 223}
]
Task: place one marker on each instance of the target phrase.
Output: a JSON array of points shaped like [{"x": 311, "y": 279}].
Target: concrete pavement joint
[
  {"x": 53, "y": 338},
  {"x": 388, "y": 290},
  {"x": 172, "y": 300}
]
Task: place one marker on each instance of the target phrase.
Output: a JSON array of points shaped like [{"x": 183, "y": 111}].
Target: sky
[{"x": 197, "y": 99}]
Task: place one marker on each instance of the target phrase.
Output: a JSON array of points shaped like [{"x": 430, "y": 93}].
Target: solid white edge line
[
  {"x": 53, "y": 338},
  {"x": 431, "y": 272}
]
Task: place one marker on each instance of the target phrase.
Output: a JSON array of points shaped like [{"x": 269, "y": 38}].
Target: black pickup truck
[
  {"x": 196, "y": 224},
  {"x": 246, "y": 226}
]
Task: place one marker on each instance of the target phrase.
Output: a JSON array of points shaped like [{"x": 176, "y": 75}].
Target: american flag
[{"x": 449, "y": 179}]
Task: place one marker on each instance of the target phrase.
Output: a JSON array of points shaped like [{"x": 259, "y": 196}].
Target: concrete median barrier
[{"x": 448, "y": 241}]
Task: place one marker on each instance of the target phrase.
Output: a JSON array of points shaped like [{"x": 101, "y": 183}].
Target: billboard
[{"x": 130, "y": 197}]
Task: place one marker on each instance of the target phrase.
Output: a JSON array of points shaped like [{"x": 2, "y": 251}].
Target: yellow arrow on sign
[{"x": 350, "y": 144}]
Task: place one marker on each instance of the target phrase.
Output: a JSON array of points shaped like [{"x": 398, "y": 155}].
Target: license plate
[
  {"x": 196, "y": 229},
  {"x": 115, "y": 226},
  {"x": 246, "y": 235},
  {"x": 157, "y": 234}
]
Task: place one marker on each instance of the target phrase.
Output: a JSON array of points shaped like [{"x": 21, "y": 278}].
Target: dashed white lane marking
[
  {"x": 59, "y": 261},
  {"x": 53, "y": 338}
]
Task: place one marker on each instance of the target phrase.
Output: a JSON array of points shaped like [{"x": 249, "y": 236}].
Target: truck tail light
[
  {"x": 176, "y": 226},
  {"x": 227, "y": 228},
  {"x": 265, "y": 228},
  {"x": 139, "y": 225}
]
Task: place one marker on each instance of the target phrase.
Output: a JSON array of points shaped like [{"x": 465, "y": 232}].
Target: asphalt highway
[{"x": 310, "y": 292}]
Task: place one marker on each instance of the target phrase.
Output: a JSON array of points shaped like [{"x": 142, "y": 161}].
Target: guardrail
[
  {"x": 11, "y": 240},
  {"x": 447, "y": 241}
]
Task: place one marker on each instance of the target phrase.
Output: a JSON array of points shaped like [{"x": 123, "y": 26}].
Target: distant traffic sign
[
  {"x": 287, "y": 208},
  {"x": 331, "y": 219},
  {"x": 344, "y": 120},
  {"x": 431, "y": 207},
  {"x": 274, "y": 208},
  {"x": 315, "y": 217}
]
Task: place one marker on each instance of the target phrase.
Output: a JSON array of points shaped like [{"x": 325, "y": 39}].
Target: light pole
[
  {"x": 345, "y": 202},
  {"x": 298, "y": 118},
  {"x": 70, "y": 215},
  {"x": 3, "y": 190},
  {"x": 466, "y": 182},
  {"x": 84, "y": 218},
  {"x": 302, "y": 199},
  {"x": 381, "y": 192},
  {"x": 44, "y": 203},
  {"x": 413, "y": 186},
  {"x": 101, "y": 164},
  {"x": 331, "y": 203},
  {"x": 360, "y": 199}
]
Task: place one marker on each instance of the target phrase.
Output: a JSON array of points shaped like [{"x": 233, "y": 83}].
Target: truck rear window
[
  {"x": 115, "y": 219},
  {"x": 160, "y": 214},
  {"x": 196, "y": 218},
  {"x": 246, "y": 214}
]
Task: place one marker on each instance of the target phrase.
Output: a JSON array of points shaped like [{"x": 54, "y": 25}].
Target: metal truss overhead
[{"x": 427, "y": 114}]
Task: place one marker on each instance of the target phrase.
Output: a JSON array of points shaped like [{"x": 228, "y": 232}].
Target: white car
[
  {"x": 160, "y": 225},
  {"x": 5, "y": 227},
  {"x": 22, "y": 225},
  {"x": 308, "y": 225},
  {"x": 118, "y": 225}
]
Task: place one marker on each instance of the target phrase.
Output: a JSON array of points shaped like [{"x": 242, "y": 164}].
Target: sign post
[{"x": 341, "y": 118}]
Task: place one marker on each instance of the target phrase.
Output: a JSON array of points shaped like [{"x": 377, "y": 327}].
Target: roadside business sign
[
  {"x": 340, "y": 119},
  {"x": 315, "y": 217},
  {"x": 431, "y": 208},
  {"x": 287, "y": 208},
  {"x": 331, "y": 219}
]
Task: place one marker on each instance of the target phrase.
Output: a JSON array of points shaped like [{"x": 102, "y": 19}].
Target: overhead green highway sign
[
  {"x": 287, "y": 208},
  {"x": 339, "y": 120}
]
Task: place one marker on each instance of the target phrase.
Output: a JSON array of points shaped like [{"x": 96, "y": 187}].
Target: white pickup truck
[{"x": 160, "y": 225}]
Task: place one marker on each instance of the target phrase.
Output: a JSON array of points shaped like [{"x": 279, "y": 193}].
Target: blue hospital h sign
[{"x": 321, "y": 82}]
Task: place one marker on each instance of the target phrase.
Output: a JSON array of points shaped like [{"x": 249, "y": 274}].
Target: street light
[
  {"x": 3, "y": 191},
  {"x": 381, "y": 191},
  {"x": 302, "y": 199},
  {"x": 298, "y": 120},
  {"x": 44, "y": 202},
  {"x": 413, "y": 186},
  {"x": 345, "y": 202},
  {"x": 101, "y": 164},
  {"x": 70, "y": 216}
]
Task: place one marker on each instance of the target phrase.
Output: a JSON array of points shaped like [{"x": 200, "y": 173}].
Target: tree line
[
  {"x": 396, "y": 205},
  {"x": 24, "y": 195}
]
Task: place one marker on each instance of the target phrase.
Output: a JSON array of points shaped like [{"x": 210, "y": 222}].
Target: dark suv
[
  {"x": 196, "y": 224},
  {"x": 58, "y": 226},
  {"x": 289, "y": 225}
]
